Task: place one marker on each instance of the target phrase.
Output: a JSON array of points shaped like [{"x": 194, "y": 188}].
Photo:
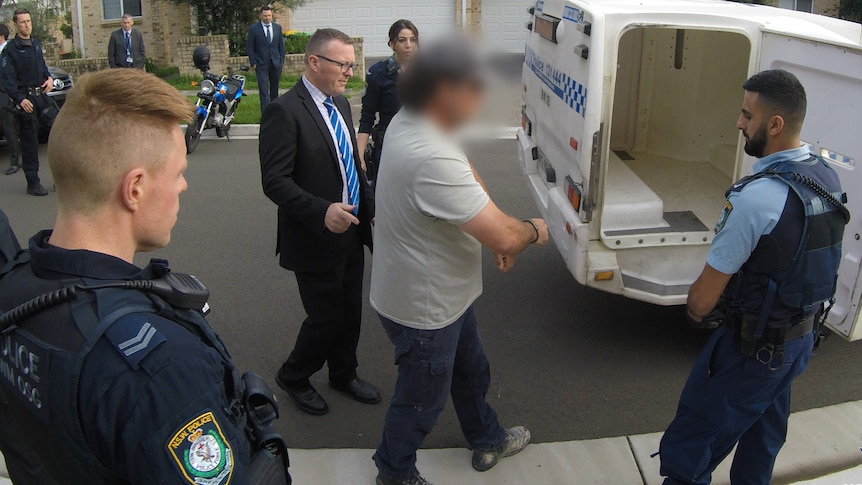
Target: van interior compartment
[{"x": 673, "y": 140}]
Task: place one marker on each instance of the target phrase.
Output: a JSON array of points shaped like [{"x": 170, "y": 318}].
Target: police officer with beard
[
  {"x": 772, "y": 266},
  {"x": 109, "y": 373}
]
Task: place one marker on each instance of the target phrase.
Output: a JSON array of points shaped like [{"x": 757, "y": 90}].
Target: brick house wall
[
  {"x": 161, "y": 22},
  {"x": 829, "y": 8}
]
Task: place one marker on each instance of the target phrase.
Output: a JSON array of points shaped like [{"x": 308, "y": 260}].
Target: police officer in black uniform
[
  {"x": 25, "y": 78},
  {"x": 109, "y": 374},
  {"x": 771, "y": 272},
  {"x": 381, "y": 93}
]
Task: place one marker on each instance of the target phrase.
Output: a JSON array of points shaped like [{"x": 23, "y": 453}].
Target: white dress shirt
[
  {"x": 267, "y": 32},
  {"x": 319, "y": 97}
]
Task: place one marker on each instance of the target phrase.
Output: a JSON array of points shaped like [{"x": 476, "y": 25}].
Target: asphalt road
[{"x": 568, "y": 362}]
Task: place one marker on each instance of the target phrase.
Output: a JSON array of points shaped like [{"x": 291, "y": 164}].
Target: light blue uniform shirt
[{"x": 751, "y": 213}]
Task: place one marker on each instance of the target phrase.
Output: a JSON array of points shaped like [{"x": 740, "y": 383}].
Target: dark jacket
[
  {"x": 381, "y": 96},
  {"x": 22, "y": 66},
  {"x": 300, "y": 174},
  {"x": 113, "y": 400},
  {"x": 261, "y": 52},
  {"x": 117, "y": 49}
]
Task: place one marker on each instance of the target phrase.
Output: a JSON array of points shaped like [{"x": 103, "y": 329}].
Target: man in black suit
[
  {"x": 265, "y": 47},
  {"x": 310, "y": 169},
  {"x": 126, "y": 46}
]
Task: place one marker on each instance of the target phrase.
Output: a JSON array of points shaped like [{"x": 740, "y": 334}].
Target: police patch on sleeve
[
  {"x": 201, "y": 451},
  {"x": 725, "y": 213}
]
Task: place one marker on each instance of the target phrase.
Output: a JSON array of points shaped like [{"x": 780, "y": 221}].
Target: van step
[
  {"x": 624, "y": 155},
  {"x": 681, "y": 221}
]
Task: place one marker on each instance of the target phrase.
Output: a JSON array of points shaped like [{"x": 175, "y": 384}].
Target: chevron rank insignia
[
  {"x": 134, "y": 337},
  {"x": 201, "y": 452}
]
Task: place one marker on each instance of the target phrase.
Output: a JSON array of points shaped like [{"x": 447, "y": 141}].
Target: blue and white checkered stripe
[{"x": 573, "y": 93}]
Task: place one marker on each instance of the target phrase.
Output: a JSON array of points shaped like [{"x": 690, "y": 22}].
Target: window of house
[
  {"x": 799, "y": 5},
  {"x": 115, "y": 9}
]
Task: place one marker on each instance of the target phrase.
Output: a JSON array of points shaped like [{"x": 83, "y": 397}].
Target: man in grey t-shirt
[{"x": 433, "y": 217}]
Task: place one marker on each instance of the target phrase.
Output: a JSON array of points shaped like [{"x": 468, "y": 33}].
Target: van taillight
[
  {"x": 526, "y": 124},
  {"x": 573, "y": 193}
]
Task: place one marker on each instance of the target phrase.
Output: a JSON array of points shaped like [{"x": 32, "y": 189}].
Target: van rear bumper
[{"x": 655, "y": 275}]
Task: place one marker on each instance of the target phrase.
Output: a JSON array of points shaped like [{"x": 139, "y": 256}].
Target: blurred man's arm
[{"x": 504, "y": 234}]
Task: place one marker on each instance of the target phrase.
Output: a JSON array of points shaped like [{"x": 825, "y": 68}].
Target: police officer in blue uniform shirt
[
  {"x": 115, "y": 377},
  {"x": 381, "y": 93},
  {"x": 25, "y": 78},
  {"x": 770, "y": 271}
]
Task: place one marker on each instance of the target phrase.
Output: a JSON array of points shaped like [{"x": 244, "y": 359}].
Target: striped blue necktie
[{"x": 346, "y": 155}]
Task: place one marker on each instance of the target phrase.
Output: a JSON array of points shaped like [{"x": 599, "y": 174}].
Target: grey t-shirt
[{"x": 426, "y": 271}]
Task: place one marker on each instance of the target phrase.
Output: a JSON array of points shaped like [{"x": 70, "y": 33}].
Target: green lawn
[
  {"x": 248, "y": 112},
  {"x": 189, "y": 83}
]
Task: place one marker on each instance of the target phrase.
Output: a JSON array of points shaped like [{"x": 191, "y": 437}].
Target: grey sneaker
[
  {"x": 517, "y": 439},
  {"x": 414, "y": 480}
]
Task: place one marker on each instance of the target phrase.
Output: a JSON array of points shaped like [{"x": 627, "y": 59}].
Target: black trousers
[
  {"x": 330, "y": 333},
  {"x": 30, "y": 148},
  {"x": 10, "y": 132}
]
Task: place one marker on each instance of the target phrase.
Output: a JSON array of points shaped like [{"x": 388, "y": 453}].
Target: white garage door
[
  {"x": 504, "y": 24},
  {"x": 371, "y": 19}
]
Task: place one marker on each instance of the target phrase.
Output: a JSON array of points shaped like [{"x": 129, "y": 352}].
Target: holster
[
  {"x": 269, "y": 461},
  {"x": 747, "y": 329}
]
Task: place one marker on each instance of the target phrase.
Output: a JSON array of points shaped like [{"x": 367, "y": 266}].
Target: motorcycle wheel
[
  {"x": 193, "y": 137},
  {"x": 224, "y": 130}
]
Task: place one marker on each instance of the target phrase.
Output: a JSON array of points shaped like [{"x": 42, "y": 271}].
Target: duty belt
[
  {"x": 35, "y": 91},
  {"x": 794, "y": 332}
]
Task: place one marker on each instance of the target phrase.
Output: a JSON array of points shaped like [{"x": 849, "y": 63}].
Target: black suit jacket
[
  {"x": 117, "y": 49},
  {"x": 299, "y": 172},
  {"x": 261, "y": 52}
]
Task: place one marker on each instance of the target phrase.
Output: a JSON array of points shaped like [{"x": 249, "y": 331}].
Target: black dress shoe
[
  {"x": 12, "y": 169},
  {"x": 359, "y": 390},
  {"x": 306, "y": 398},
  {"x": 36, "y": 190}
]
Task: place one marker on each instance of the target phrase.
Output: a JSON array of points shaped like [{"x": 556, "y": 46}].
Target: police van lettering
[
  {"x": 573, "y": 93},
  {"x": 201, "y": 452},
  {"x": 22, "y": 362}
]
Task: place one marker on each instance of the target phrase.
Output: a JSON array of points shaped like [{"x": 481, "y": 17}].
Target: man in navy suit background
[{"x": 265, "y": 47}]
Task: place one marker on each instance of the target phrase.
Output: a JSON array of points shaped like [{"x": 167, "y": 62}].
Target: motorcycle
[{"x": 218, "y": 100}]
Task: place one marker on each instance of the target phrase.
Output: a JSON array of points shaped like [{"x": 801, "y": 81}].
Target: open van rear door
[{"x": 832, "y": 75}]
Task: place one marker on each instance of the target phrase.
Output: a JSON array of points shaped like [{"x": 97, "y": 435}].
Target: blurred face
[
  {"x": 405, "y": 45},
  {"x": 753, "y": 123},
  {"x": 127, "y": 24},
  {"x": 266, "y": 16},
  {"x": 160, "y": 202},
  {"x": 459, "y": 102},
  {"x": 23, "y": 25},
  {"x": 331, "y": 67}
]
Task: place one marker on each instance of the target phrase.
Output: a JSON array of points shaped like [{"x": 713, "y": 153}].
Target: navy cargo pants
[
  {"x": 731, "y": 399},
  {"x": 431, "y": 365}
]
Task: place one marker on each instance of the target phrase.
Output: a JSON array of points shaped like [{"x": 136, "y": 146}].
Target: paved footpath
[{"x": 823, "y": 448}]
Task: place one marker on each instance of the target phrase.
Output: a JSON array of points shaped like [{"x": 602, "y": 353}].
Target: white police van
[{"x": 629, "y": 139}]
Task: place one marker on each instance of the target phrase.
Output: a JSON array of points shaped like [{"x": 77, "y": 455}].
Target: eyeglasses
[{"x": 345, "y": 67}]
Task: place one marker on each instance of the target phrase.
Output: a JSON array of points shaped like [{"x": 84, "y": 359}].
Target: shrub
[{"x": 295, "y": 42}]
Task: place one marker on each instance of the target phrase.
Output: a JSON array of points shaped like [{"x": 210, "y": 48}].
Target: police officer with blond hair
[
  {"x": 771, "y": 272},
  {"x": 109, "y": 373}
]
